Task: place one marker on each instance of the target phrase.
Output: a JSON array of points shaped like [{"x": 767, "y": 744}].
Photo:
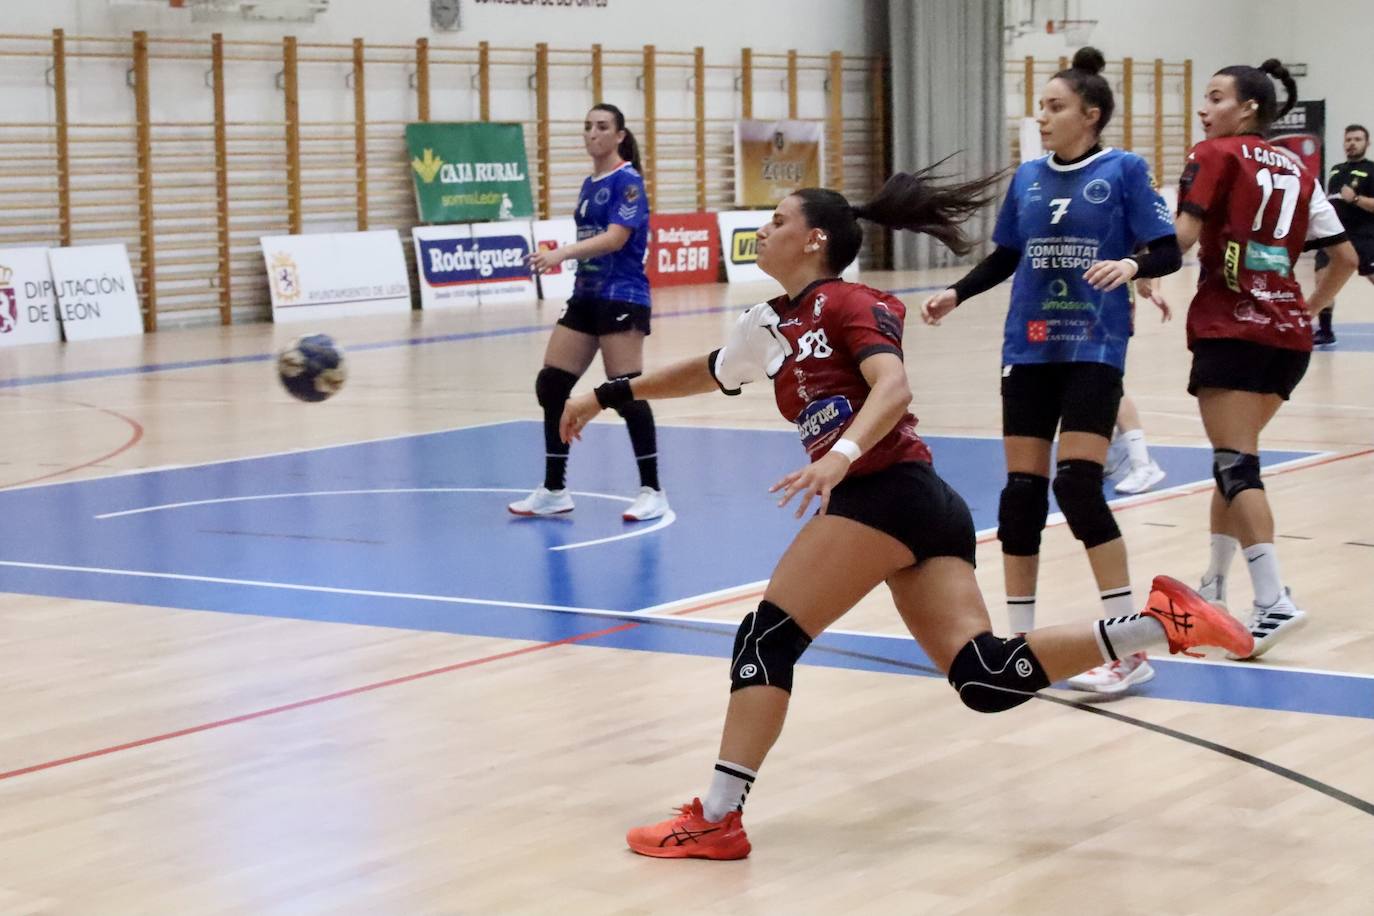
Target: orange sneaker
[
  {"x": 691, "y": 836},
  {"x": 1190, "y": 620}
]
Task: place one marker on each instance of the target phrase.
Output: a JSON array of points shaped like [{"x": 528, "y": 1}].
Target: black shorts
[
  {"x": 600, "y": 317},
  {"x": 913, "y": 504},
  {"x": 1038, "y": 398},
  {"x": 1364, "y": 247},
  {"x": 1242, "y": 365}
]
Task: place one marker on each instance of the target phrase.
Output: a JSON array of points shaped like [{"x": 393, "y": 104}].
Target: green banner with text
[{"x": 469, "y": 171}]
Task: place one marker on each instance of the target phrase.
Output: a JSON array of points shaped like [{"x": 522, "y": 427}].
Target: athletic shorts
[
  {"x": 1038, "y": 398},
  {"x": 1242, "y": 365},
  {"x": 600, "y": 317},
  {"x": 1364, "y": 247},
  {"x": 910, "y": 502}
]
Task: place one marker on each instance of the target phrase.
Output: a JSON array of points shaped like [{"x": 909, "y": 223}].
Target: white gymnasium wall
[
  {"x": 809, "y": 26},
  {"x": 1217, "y": 33},
  {"x": 1333, "y": 38}
]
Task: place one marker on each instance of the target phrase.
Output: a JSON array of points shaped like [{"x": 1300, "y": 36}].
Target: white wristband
[{"x": 848, "y": 448}]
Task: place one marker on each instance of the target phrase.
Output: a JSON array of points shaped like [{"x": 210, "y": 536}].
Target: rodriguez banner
[
  {"x": 473, "y": 265},
  {"x": 775, "y": 158},
  {"x": 469, "y": 172},
  {"x": 683, "y": 248}
]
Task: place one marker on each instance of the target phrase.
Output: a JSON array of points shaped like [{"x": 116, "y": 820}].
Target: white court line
[
  {"x": 560, "y": 609},
  {"x": 290, "y": 451},
  {"x": 667, "y": 519}
]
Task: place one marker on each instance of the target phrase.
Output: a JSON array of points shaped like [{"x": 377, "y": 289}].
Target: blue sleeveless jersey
[
  {"x": 1063, "y": 218},
  {"x": 614, "y": 198}
]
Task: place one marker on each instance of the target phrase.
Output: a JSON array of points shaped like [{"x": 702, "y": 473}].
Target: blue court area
[
  {"x": 1352, "y": 338},
  {"x": 412, "y": 532}
]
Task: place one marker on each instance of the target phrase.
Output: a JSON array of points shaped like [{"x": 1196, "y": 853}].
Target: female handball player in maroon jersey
[
  {"x": 833, "y": 351},
  {"x": 1255, "y": 210}
]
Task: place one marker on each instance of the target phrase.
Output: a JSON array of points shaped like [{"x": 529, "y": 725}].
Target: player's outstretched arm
[{"x": 680, "y": 380}]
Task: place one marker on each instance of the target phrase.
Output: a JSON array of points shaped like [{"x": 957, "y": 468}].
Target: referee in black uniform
[{"x": 1351, "y": 189}]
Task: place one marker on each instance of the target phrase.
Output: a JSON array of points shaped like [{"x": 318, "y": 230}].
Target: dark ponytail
[
  {"x": 629, "y": 149},
  {"x": 1085, "y": 79},
  {"x": 910, "y": 201},
  {"x": 1253, "y": 85}
]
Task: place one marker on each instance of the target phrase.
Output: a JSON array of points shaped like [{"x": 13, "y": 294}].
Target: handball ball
[{"x": 312, "y": 367}]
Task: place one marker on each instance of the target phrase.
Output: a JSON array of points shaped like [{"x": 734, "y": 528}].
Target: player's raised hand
[{"x": 938, "y": 306}]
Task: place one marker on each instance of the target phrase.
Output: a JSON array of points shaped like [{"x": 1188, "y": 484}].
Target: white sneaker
[
  {"x": 650, "y": 503},
  {"x": 543, "y": 502},
  {"x": 1118, "y": 463},
  {"x": 1141, "y": 479},
  {"x": 1270, "y": 624},
  {"x": 1114, "y": 677},
  {"x": 1214, "y": 591}
]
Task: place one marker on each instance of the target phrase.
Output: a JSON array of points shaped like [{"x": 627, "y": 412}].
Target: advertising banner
[
  {"x": 28, "y": 298},
  {"x": 557, "y": 284},
  {"x": 683, "y": 248},
  {"x": 775, "y": 158},
  {"x": 96, "y": 295},
  {"x": 480, "y": 264},
  {"x": 336, "y": 274},
  {"x": 739, "y": 246},
  {"x": 1302, "y": 132},
  {"x": 469, "y": 172}
]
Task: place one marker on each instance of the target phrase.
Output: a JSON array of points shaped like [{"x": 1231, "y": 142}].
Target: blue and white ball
[{"x": 312, "y": 368}]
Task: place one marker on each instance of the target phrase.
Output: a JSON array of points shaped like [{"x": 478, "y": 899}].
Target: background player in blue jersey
[
  {"x": 608, "y": 311},
  {"x": 1067, "y": 230}
]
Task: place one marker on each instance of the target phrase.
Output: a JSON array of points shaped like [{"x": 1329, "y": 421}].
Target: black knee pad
[
  {"x": 552, "y": 386},
  {"x": 993, "y": 674},
  {"x": 1078, "y": 487},
  {"x": 1021, "y": 513},
  {"x": 1235, "y": 472},
  {"x": 767, "y": 646}
]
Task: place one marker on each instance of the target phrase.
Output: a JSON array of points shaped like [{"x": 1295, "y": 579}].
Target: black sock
[
  {"x": 555, "y": 450},
  {"x": 1324, "y": 317},
  {"x": 639, "y": 420}
]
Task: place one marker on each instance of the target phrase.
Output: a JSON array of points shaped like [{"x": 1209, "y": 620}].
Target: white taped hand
[{"x": 755, "y": 349}]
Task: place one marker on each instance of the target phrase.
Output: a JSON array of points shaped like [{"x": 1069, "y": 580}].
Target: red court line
[
  {"x": 526, "y": 650},
  {"x": 313, "y": 701},
  {"x": 132, "y": 441}
]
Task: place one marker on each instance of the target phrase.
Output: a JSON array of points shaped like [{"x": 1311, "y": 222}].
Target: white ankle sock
[
  {"x": 1117, "y": 602},
  {"x": 1021, "y": 614},
  {"x": 1135, "y": 447},
  {"x": 730, "y": 784},
  {"x": 1118, "y": 637},
  {"x": 1224, "y": 549},
  {"x": 1263, "y": 561}
]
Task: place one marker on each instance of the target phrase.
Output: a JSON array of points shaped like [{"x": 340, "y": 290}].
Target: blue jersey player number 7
[{"x": 1064, "y": 219}]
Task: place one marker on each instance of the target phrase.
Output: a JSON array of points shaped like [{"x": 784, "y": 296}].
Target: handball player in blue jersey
[
  {"x": 608, "y": 311},
  {"x": 1067, "y": 230}
]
